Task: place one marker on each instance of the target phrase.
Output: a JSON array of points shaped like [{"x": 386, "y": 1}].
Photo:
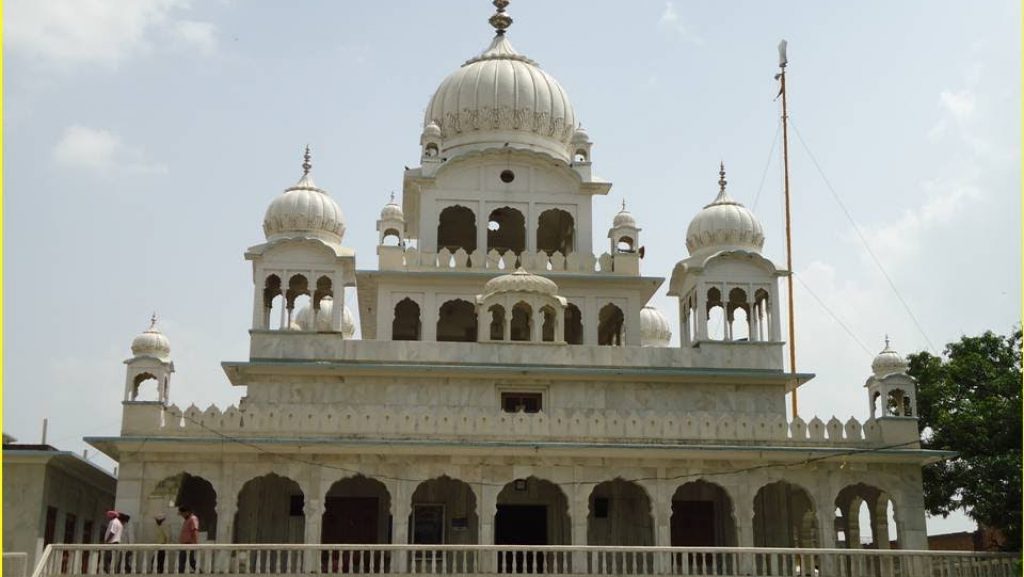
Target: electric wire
[
  {"x": 860, "y": 235},
  {"x": 767, "y": 165},
  {"x": 834, "y": 316}
]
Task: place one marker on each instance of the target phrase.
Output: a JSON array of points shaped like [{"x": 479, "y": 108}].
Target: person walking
[
  {"x": 162, "y": 538},
  {"x": 112, "y": 536},
  {"x": 127, "y": 538},
  {"x": 189, "y": 536}
]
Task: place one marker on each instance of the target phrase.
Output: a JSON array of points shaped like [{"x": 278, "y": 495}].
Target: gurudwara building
[{"x": 511, "y": 384}]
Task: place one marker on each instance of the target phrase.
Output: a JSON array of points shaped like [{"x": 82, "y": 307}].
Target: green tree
[{"x": 969, "y": 401}]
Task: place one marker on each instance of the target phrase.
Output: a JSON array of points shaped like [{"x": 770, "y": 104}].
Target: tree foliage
[{"x": 969, "y": 401}]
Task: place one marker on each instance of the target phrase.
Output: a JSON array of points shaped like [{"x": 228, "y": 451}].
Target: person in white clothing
[{"x": 115, "y": 530}]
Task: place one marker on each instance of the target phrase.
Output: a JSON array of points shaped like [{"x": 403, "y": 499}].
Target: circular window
[{"x": 507, "y": 176}]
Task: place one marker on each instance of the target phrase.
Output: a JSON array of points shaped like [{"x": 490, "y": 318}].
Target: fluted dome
[
  {"x": 501, "y": 98},
  {"x": 723, "y": 225},
  {"x": 888, "y": 362},
  {"x": 624, "y": 219},
  {"x": 520, "y": 281},
  {"x": 392, "y": 211},
  {"x": 654, "y": 328},
  {"x": 304, "y": 319},
  {"x": 152, "y": 343},
  {"x": 304, "y": 211}
]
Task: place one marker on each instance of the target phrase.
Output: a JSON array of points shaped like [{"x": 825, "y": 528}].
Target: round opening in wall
[{"x": 507, "y": 176}]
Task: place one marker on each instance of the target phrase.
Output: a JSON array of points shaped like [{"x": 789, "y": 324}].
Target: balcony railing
[{"x": 301, "y": 559}]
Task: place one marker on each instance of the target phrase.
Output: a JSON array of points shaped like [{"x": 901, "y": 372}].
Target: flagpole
[{"x": 781, "y": 76}]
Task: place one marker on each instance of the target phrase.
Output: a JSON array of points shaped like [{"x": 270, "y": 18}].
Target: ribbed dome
[
  {"x": 724, "y": 224},
  {"x": 392, "y": 211},
  {"x": 624, "y": 218},
  {"x": 152, "y": 343},
  {"x": 304, "y": 319},
  {"x": 501, "y": 98},
  {"x": 304, "y": 210},
  {"x": 520, "y": 281},
  {"x": 888, "y": 362},
  {"x": 654, "y": 328}
]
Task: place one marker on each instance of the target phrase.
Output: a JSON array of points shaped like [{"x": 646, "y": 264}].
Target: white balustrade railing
[
  {"x": 481, "y": 424},
  {"x": 302, "y": 559}
]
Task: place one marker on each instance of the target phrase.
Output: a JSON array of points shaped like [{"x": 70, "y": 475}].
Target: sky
[{"x": 153, "y": 134}]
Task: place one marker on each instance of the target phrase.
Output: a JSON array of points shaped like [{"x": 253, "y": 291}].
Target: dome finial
[
  {"x": 500, "y": 20},
  {"x": 152, "y": 321},
  {"x": 623, "y": 204},
  {"x": 307, "y": 164},
  {"x": 721, "y": 176},
  {"x": 392, "y": 197}
]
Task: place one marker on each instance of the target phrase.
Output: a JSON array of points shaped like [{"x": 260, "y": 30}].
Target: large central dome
[{"x": 501, "y": 98}]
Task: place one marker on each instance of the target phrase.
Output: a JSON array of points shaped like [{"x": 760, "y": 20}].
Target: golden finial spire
[
  {"x": 307, "y": 165},
  {"x": 500, "y": 19},
  {"x": 721, "y": 177}
]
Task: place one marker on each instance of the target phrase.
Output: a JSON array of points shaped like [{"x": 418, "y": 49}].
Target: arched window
[
  {"x": 138, "y": 387},
  {"x": 580, "y": 155},
  {"x": 456, "y": 322},
  {"x": 406, "y": 326},
  {"x": 573, "y": 325},
  {"x": 272, "y": 296},
  {"x": 624, "y": 245},
  {"x": 610, "y": 325},
  {"x": 506, "y": 230},
  {"x": 547, "y": 329},
  {"x": 738, "y": 315},
  {"x": 522, "y": 317},
  {"x": 497, "y": 322},
  {"x": 431, "y": 150},
  {"x": 323, "y": 289},
  {"x": 456, "y": 228},
  {"x": 897, "y": 401},
  {"x": 761, "y": 319},
  {"x": 391, "y": 237},
  {"x": 556, "y": 231},
  {"x": 715, "y": 315}
]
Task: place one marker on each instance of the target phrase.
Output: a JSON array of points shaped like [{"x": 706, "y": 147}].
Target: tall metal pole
[{"x": 789, "y": 223}]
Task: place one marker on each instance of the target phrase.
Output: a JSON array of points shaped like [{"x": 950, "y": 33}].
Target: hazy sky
[{"x": 145, "y": 138}]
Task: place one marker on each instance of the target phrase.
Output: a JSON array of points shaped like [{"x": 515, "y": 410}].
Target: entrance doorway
[
  {"x": 693, "y": 524},
  {"x": 521, "y": 525},
  {"x": 350, "y": 520}
]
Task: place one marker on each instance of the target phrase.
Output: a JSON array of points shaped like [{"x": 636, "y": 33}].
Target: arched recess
[
  {"x": 522, "y": 320},
  {"x": 715, "y": 315},
  {"x": 702, "y": 516},
  {"x": 456, "y": 322},
  {"x": 324, "y": 288},
  {"x": 271, "y": 509},
  {"x": 391, "y": 237},
  {"x": 784, "y": 516},
  {"x": 864, "y": 517},
  {"x": 625, "y": 244},
  {"x": 145, "y": 387},
  {"x": 619, "y": 514},
  {"x": 547, "y": 328},
  {"x": 738, "y": 315},
  {"x": 506, "y": 230},
  {"x": 573, "y": 325},
  {"x": 357, "y": 510},
  {"x": 556, "y": 231},
  {"x": 406, "y": 325},
  {"x": 761, "y": 319},
  {"x": 532, "y": 511},
  {"x": 497, "y": 326},
  {"x": 444, "y": 512},
  {"x": 273, "y": 299},
  {"x": 610, "y": 326},
  {"x": 187, "y": 490},
  {"x": 456, "y": 228}
]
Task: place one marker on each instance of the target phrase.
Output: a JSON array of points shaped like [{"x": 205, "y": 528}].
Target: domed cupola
[
  {"x": 724, "y": 225},
  {"x": 888, "y": 362},
  {"x": 501, "y": 99},
  {"x": 654, "y": 328},
  {"x": 521, "y": 307},
  {"x": 152, "y": 343},
  {"x": 624, "y": 233},
  {"x": 304, "y": 211}
]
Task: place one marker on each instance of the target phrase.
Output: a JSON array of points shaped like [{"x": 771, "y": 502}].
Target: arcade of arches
[{"x": 532, "y": 511}]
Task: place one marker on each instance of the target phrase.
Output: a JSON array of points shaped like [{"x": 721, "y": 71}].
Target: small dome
[
  {"x": 888, "y": 362},
  {"x": 304, "y": 319},
  {"x": 624, "y": 218},
  {"x": 432, "y": 131},
  {"x": 304, "y": 210},
  {"x": 654, "y": 328},
  {"x": 724, "y": 224},
  {"x": 392, "y": 211},
  {"x": 501, "y": 98},
  {"x": 520, "y": 281},
  {"x": 152, "y": 343},
  {"x": 580, "y": 136}
]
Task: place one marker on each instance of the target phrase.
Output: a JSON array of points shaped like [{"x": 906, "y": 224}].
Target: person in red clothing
[{"x": 189, "y": 536}]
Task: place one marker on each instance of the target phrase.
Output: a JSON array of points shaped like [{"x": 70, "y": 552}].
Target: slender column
[
  {"x": 483, "y": 326},
  {"x": 702, "y": 312},
  {"x": 579, "y": 509},
  {"x": 401, "y": 505},
  {"x": 259, "y": 314},
  {"x": 506, "y": 328},
  {"x": 488, "y": 494},
  {"x": 338, "y": 308},
  {"x": 284, "y": 309},
  {"x": 536, "y": 322},
  {"x": 560, "y": 326}
]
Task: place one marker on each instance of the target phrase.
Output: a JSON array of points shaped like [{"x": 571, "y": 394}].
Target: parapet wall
[{"x": 397, "y": 258}]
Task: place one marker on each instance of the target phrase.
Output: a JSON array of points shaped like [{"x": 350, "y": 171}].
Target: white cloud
[
  {"x": 199, "y": 35},
  {"x": 671, "y": 20},
  {"x": 101, "y": 152},
  {"x": 104, "y": 32}
]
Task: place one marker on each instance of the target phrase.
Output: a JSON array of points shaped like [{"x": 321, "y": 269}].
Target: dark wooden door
[{"x": 693, "y": 524}]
